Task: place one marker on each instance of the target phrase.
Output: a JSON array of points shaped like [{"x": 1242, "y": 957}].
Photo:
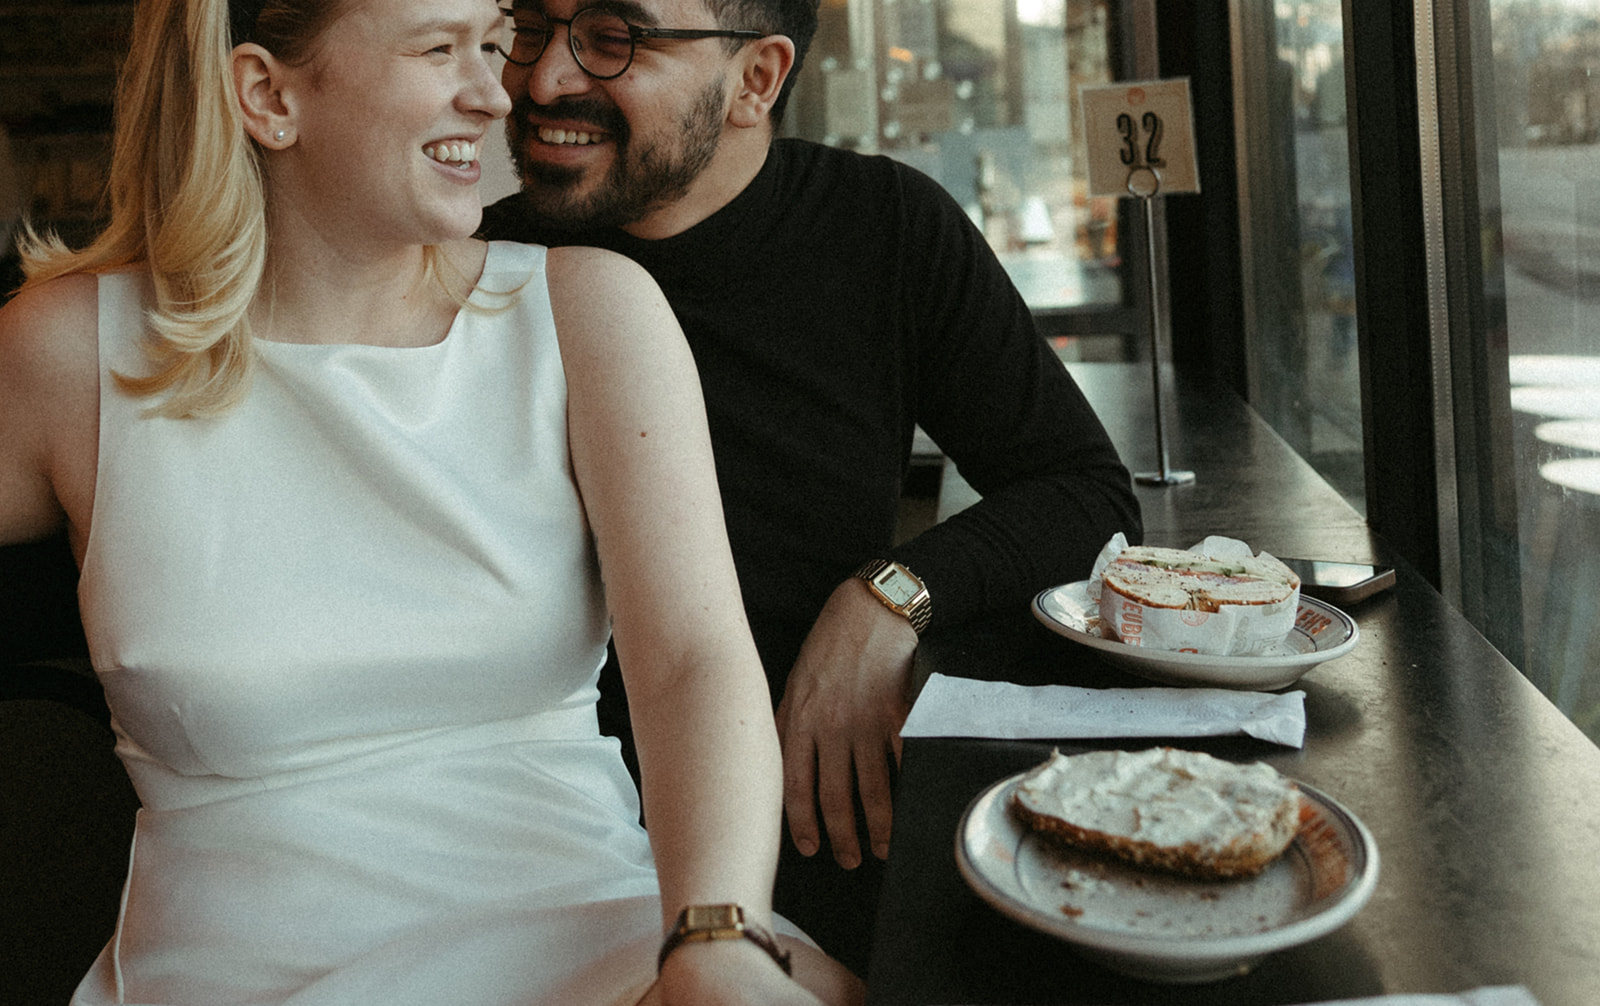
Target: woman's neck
[{"x": 320, "y": 296}]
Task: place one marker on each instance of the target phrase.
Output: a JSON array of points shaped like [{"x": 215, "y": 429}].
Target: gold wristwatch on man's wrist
[{"x": 899, "y": 589}]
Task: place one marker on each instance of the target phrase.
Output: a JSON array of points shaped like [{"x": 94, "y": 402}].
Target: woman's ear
[
  {"x": 258, "y": 79},
  {"x": 767, "y": 62}
]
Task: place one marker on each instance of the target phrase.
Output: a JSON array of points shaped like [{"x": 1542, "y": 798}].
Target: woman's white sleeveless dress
[{"x": 349, "y": 633}]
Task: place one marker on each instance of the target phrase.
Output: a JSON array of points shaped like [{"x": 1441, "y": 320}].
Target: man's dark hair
[{"x": 795, "y": 18}]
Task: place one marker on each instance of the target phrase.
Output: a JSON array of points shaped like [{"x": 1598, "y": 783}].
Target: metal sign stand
[{"x": 1144, "y": 183}]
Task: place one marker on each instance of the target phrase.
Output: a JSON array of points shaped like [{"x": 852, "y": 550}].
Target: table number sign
[
  {"x": 1140, "y": 136},
  {"x": 1139, "y": 133}
]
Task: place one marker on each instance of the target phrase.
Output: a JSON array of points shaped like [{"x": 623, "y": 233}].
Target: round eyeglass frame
[{"x": 635, "y": 33}]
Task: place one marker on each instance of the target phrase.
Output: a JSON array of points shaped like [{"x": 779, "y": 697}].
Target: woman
[{"x": 330, "y": 469}]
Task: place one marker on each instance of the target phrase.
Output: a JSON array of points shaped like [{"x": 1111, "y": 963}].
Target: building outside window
[{"x": 982, "y": 96}]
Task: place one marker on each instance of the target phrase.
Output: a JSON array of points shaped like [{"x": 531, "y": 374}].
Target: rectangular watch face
[
  {"x": 896, "y": 585},
  {"x": 712, "y": 917}
]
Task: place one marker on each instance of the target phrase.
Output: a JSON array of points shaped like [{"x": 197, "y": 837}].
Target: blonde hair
[{"x": 186, "y": 196}]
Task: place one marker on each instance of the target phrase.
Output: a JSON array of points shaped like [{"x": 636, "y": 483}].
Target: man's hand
[{"x": 840, "y": 720}]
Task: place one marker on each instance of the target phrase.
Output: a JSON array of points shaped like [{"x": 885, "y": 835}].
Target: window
[
  {"x": 1539, "y": 173},
  {"x": 1477, "y": 194},
  {"x": 982, "y": 97},
  {"x": 1297, "y": 247}
]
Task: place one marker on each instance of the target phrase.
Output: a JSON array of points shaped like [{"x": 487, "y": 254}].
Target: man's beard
[{"x": 636, "y": 183}]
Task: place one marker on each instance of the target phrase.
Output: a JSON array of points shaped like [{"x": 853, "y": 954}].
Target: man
[{"x": 832, "y": 301}]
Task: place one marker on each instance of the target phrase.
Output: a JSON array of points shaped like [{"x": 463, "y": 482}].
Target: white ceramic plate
[
  {"x": 1166, "y": 928},
  {"x": 1321, "y": 632}
]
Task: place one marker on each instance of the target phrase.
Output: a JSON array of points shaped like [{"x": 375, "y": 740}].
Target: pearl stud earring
[{"x": 279, "y": 135}]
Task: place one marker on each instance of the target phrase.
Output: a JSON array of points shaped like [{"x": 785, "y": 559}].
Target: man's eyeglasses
[{"x": 602, "y": 43}]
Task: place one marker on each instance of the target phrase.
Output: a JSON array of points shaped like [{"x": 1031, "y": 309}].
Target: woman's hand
[{"x": 725, "y": 973}]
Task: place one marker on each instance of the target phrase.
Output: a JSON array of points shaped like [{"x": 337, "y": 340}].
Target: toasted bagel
[
  {"x": 1180, "y": 811},
  {"x": 1174, "y": 578}
]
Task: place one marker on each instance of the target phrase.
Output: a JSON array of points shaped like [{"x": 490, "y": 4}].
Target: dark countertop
[
  {"x": 1482, "y": 797},
  {"x": 1248, "y": 483}
]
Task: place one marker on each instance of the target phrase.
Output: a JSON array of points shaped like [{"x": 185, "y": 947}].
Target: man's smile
[
  {"x": 568, "y": 137},
  {"x": 584, "y": 166}
]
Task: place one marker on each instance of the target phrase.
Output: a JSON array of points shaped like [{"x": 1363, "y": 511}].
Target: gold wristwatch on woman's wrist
[
  {"x": 899, "y": 589},
  {"x": 703, "y": 923}
]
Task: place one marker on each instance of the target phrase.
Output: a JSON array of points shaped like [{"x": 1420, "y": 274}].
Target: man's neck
[{"x": 734, "y": 166}]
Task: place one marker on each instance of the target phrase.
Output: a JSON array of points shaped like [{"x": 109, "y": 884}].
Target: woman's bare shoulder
[
  {"x": 49, "y": 332},
  {"x": 50, "y": 359},
  {"x": 49, "y": 407},
  {"x": 601, "y": 299},
  {"x": 578, "y": 267}
]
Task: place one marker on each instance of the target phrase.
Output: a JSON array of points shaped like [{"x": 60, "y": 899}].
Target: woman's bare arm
[{"x": 708, "y": 748}]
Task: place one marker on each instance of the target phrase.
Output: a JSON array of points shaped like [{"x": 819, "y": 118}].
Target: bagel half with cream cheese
[{"x": 1180, "y": 811}]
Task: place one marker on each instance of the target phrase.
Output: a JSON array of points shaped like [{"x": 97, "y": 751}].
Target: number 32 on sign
[{"x": 1140, "y": 136}]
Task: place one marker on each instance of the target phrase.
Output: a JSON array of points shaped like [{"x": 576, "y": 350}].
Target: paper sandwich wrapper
[{"x": 1237, "y": 629}]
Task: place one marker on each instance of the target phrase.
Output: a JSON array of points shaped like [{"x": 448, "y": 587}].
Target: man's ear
[
  {"x": 766, "y": 65},
  {"x": 258, "y": 79}
]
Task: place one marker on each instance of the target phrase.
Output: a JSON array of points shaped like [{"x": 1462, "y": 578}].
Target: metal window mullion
[
  {"x": 1480, "y": 561},
  {"x": 1247, "y": 155},
  {"x": 1427, "y": 44}
]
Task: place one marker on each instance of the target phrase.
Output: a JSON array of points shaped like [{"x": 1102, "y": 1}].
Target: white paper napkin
[
  {"x": 1491, "y": 995},
  {"x": 1496, "y": 995},
  {"x": 964, "y": 707}
]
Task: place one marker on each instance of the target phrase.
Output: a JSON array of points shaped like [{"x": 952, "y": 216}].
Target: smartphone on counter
[{"x": 1340, "y": 582}]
